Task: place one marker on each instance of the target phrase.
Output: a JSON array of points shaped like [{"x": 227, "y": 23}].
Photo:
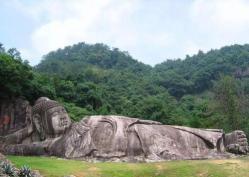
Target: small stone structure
[{"x": 49, "y": 131}]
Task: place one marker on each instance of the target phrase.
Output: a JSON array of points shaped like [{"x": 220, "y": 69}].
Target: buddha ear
[{"x": 37, "y": 122}]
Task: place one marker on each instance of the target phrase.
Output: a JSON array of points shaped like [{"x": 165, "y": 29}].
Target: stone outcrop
[
  {"x": 49, "y": 131},
  {"x": 13, "y": 115}
]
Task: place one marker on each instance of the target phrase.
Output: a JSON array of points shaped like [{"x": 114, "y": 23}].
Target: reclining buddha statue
[{"x": 105, "y": 137}]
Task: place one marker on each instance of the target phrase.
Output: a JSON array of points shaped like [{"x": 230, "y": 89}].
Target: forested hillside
[
  {"x": 209, "y": 90},
  {"x": 195, "y": 74}
]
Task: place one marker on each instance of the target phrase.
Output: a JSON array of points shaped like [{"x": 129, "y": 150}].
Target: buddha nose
[{"x": 63, "y": 121}]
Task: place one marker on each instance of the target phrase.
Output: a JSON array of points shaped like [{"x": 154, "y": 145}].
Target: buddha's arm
[
  {"x": 18, "y": 136},
  {"x": 36, "y": 148},
  {"x": 24, "y": 149}
]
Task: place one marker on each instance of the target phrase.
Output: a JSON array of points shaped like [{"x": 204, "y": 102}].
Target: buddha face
[{"x": 59, "y": 119}]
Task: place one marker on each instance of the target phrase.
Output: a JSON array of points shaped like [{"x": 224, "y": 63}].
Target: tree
[
  {"x": 2, "y": 49},
  {"x": 14, "y": 53},
  {"x": 227, "y": 98},
  {"x": 15, "y": 76},
  {"x": 157, "y": 108},
  {"x": 41, "y": 85}
]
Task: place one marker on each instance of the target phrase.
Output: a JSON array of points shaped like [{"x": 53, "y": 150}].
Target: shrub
[
  {"x": 8, "y": 169},
  {"x": 25, "y": 171}
]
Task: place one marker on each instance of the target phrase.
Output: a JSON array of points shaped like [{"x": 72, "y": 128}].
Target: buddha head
[{"x": 50, "y": 118}]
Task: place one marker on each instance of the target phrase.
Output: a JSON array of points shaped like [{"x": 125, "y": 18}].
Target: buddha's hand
[{"x": 236, "y": 142}]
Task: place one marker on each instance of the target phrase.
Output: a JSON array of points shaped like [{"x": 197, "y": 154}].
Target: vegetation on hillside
[{"x": 209, "y": 90}]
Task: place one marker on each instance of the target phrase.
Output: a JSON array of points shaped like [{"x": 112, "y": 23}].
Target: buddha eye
[{"x": 54, "y": 114}]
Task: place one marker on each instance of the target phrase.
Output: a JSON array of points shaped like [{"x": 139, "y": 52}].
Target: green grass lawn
[{"x": 54, "y": 167}]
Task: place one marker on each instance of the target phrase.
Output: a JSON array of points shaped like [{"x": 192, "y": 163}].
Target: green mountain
[
  {"x": 189, "y": 76},
  {"x": 76, "y": 59},
  {"x": 195, "y": 74},
  {"x": 204, "y": 90}
]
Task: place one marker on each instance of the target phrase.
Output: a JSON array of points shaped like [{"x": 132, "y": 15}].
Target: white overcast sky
[{"x": 150, "y": 30}]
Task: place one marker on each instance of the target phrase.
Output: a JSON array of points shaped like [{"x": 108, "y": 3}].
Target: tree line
[{"x": 206, "y": 90}]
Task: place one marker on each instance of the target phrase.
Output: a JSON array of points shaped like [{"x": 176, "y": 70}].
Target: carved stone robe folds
[{"x": 123, "y": 138}]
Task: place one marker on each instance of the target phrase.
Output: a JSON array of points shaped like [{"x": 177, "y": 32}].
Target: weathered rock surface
[
  {"x": 49, "y": 131},
  {"x": 13, "y": 115}
]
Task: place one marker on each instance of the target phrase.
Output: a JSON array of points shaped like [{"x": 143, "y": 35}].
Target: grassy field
[{"x": 54, "y": 167}]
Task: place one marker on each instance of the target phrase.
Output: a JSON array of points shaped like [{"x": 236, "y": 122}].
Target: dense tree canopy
[
  {"x": 15, "y": 76},
  {"x": 208, "y": 90}
]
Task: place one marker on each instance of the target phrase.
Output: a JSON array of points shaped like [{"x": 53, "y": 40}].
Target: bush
[
  {"x": 25, "y": 171},
  {"x": 8, "y": 169}
]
